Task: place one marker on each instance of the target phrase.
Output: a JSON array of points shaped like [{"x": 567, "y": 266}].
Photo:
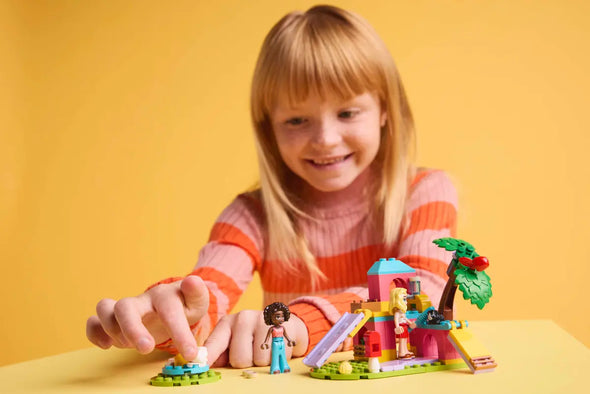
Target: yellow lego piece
[
  {"x": 388, "y": 355},
  {"x": 467, "y": 343},
  {"x": 474, "y": 353},
  {"x": 368, "y": 313},
  {"x": 419, "y": 302},
  {"x": 179, "y": 361},
  {"x": 375, "y": 306}
]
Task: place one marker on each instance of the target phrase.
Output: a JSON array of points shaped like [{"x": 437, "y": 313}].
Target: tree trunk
[{"x": 445, "y": 307}]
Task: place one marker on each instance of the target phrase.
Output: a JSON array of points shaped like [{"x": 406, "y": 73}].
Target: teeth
[{"x": 328, "y": 161}]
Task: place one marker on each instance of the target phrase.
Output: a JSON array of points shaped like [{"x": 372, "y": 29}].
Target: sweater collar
[{"x": 353, "y": 198}]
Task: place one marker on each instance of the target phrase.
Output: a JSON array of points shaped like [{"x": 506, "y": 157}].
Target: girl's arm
[{"x": 227, "y": 263}]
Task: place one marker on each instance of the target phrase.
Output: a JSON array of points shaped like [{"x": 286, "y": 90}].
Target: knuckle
[
  {"x": 104, "y": 305},
  {"x": 123, "y": 305},
  {"x": 246, "y": 317},
  {"x": 160, "y": 290},
  {"x": 240, "y": 362},
  {"x": 261, "y": 361}
]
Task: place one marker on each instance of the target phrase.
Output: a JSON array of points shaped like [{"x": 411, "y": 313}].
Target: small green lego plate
[
  {"x": 360, "y": 370},
  {"x": 186, "y": 379}
]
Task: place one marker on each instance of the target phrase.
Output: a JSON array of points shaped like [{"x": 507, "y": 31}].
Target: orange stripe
[
  {"x": 344, "y": 270},
  {"x": 165, "y": 281},
  {"x": 226, "y": 233},
  {"x": 316, "y": 323},
  {"x": 341, "y": 301},
  {"x": 435, "y": 266},
  {"x": 225, "y": 284},
  {"x": 433, "y": 216}
]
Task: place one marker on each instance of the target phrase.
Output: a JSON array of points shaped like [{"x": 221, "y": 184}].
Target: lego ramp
[
  {"x": 475, "y": 355},
  {"x": 320, "y": 353}
]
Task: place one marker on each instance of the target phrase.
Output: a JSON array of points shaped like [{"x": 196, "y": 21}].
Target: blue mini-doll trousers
[{"x": 278, "y": 356}]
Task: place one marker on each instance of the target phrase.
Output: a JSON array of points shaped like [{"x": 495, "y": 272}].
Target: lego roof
[{"x": 390, "y": 266}]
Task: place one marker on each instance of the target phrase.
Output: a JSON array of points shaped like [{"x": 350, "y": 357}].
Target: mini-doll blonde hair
[
  {"x": 327, "y": 50},
  {"x": 396, "y": 300}
]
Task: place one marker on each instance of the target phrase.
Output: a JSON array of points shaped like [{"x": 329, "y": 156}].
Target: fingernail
[{"x": 143, "y": 344}]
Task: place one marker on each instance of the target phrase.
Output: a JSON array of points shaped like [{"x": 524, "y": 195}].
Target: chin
[{"x": 328, "y": 187}]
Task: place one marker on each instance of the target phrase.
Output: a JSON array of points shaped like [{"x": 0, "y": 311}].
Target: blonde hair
[
  {"x": 327, "y": 50},
  {"x": 396, "y": 300}
]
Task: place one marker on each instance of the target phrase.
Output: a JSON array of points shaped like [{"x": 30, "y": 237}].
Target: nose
[{"x": 327, "y": 133}]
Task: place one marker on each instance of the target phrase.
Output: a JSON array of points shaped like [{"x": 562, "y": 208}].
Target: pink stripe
[
  {"x": 241, "y": 214},
  {"x": 230, "y": 260},
  {"x": 420, "y": 243},
  {"x": 435, "y": 186},
  {"x": 269, "y": 297}
]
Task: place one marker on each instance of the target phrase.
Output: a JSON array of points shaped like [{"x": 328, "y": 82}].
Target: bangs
[{"x": 324, "y": 57}]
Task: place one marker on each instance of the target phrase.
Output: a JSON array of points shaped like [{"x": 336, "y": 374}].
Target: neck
[{"x": 355, "y": 193}]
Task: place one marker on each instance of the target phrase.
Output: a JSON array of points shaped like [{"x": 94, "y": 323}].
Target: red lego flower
[{"x": 479, "y": 263}]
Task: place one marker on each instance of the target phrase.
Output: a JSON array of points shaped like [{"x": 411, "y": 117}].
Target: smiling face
[
  {"x": 328, "y": 142},
  {"x": 278, "y": 318}
]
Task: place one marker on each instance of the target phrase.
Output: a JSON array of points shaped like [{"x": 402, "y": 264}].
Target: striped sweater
[{"x": 344, "y": 242}]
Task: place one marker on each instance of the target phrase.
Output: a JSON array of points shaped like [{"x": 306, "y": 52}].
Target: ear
[{"x": 383, "y": 119}]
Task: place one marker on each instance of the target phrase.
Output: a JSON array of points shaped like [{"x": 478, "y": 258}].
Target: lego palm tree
[{"x": 465, "y": 271}]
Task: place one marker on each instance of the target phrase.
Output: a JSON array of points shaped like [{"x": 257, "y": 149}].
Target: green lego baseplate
[
  {"x": 360, "y": 370},
  {"x": 186, "y": 379}
]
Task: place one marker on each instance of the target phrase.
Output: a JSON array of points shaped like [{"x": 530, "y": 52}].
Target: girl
[{"x": 338, "y": 190}]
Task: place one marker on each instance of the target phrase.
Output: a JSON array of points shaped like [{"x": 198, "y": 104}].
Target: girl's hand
[
  {"x": 165, "y": 311},
  {"x": 238, "y": 339}
]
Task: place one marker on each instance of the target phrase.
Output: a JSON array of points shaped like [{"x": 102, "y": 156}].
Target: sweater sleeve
[
  {"x": 431, "y": 212},
  {"x": 227, "y": 262}
]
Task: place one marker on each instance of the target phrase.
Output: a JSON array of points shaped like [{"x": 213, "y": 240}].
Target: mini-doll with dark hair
[{"x": 275, "y": 315}]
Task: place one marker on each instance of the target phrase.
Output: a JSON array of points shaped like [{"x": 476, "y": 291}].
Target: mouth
[{"x": 328, "y": 161}]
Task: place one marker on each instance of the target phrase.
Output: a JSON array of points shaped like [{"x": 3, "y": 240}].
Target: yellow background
[{"x": 124, "y": 131}]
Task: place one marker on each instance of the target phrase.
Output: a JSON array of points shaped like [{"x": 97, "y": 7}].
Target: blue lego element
[
  {"x": 421, "y": 320},
  {"x": 278, "y": 357},
  {"x": 409, "y": 315},
  {"x": 390, "y": 266},
  {"x": 444, "y": 325},
  {"x": 412, "y": 315},
  {"x": 170, "y": 370}
]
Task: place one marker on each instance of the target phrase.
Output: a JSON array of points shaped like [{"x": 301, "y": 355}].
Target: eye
[
  {"x": 348, "y": 114},
  {"x": 295, "y": 121}
]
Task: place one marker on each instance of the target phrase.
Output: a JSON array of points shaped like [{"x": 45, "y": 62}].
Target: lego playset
[
  {"x": 398, "y": 332},
  {"x": 395, "y": 332},
  {"x": 179, "y": 372}
]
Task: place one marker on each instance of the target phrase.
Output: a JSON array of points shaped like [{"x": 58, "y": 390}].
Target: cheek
[
  {"x": 290, "y": 146},
  {"x": 369, "y": 143}
]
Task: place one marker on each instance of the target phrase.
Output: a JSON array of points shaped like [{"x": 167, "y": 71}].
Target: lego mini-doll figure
[
  {"x": 275, "y": 315},
  {"x": 398, "y": 305}
]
